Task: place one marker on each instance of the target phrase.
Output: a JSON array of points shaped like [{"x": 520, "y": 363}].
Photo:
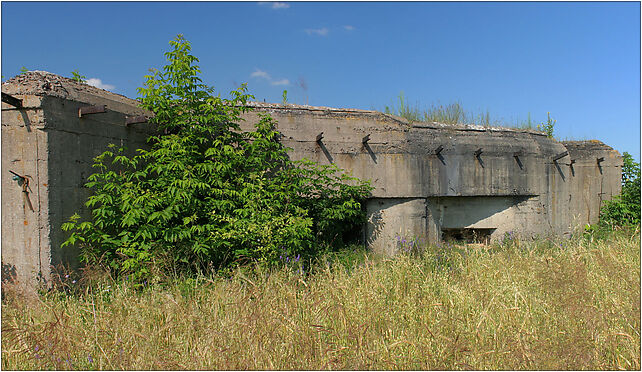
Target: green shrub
[
  {"x": 624, "y": 209},
  {"x": 75, "y": 75},
  {"x": 547, "y": 127},
  {"x": 207, "y": 194}
]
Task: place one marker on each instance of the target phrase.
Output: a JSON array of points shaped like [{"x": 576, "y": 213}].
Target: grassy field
[{"x": 519, "y": 305}]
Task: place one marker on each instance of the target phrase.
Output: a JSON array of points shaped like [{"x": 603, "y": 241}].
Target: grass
[
  {"x": 546, "y": 304},
  {"x": 453, "y": 113}
]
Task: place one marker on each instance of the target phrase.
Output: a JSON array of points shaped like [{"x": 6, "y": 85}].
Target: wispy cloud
[
  {"x": 95, "y": 82},
  {"x": 280, "y": 5},
  {"x": 275, "y": 4},
  {"x": 317, "y": 31},
  {"x": 348, "y": 27},
  {"x": 281, "y": 82},
  {"x": 260, "y": 74}
]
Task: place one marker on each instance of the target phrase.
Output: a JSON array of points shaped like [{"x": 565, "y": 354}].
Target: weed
[
  {"x": 454, "y": 113},
  {"x": 545, "y": 304},
  {"x": 547, "y": 127},
  {"x": 78, "y": 77}
]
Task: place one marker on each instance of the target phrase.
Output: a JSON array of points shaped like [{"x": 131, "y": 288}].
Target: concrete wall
[
  {"x": 390, "y": 219},
  {"x": 529, "y": 193},
  {"x": 418, "y": 193},
  {"x": 25, "y": 232},
  {"x": 47, "y": 140},
  {"x": 589, "y": 181}
]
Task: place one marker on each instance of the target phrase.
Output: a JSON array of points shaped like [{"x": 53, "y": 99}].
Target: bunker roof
[
  {"x": 43, "y": 83},
  {"x": 357, "y": 112}
]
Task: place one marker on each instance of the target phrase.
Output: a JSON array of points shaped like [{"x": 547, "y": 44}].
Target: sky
[{"x": 580, "y": 61}]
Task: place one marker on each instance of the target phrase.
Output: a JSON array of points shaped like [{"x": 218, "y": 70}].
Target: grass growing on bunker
[
  {"x": 545, "y": 304},
  {"x": 453, "y": 113}
]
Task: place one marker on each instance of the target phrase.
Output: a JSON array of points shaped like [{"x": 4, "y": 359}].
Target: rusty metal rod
[
  {"x": 136, "y": 120},
  {"x": 91, "y": 110},
  {"x": 558, "y": 157},
  {"x": 13, "y": 101}
]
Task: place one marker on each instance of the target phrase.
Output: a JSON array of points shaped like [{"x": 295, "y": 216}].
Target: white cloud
[
  {"x": 279, "y": 5},
  {"x": 95, "y": 82},
  {"x": 317, "y": 31},
  {"x": 264, "y": 75},
  {"x": 275, "y": 4},
  {"x": 261, "y": 74},
  {"x": 348, "y": 27},
  {"x": 281, "y": 82}
]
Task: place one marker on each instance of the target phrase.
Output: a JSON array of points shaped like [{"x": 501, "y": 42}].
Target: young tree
[{"x": 208, "y": 193}]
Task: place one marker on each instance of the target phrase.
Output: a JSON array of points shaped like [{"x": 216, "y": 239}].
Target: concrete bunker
[{"x": 431, "y": 181}]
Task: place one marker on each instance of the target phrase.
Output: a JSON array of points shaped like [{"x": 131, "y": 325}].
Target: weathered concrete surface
[
  {"x": 514, "y": 184},
  {"x": 47, "y": 141},
  {"x": 589, "y": 181},
  {"x": 25, "y": 232},
  {"x": 393, "y": 219}
]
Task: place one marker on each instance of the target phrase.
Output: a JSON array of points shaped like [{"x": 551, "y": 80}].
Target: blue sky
[{"x": 579, "y": 61}]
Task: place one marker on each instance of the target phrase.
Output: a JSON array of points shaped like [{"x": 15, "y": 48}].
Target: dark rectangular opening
[{"x": 468, "y": 236}]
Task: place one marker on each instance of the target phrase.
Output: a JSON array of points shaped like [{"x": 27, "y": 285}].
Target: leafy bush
[
  {"x": 208, "y": 194},
  {"x": 624, "y": 209}
]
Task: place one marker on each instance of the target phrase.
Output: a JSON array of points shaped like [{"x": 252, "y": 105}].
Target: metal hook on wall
[{"x": 24, "y": 182}]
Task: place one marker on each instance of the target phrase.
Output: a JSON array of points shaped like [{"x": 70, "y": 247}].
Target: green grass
[
  {"x": 521, "y": 305},
  {"x": 453, "y": 113}
]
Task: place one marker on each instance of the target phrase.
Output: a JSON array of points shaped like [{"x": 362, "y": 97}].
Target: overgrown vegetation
[
  {"x": 208, "y": 195},
  {"x": 454, "y": 113},
  {"x": 547, "y": 127},
  {"x": 542, "y": 305},
  {"x": 75, "y": 75},
  {"x": 624, "y": 209}
]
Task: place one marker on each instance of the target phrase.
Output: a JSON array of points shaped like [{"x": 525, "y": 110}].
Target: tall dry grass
[
  {"x": 453, "y": 113},
  {"x": 536, "y": 305}
]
